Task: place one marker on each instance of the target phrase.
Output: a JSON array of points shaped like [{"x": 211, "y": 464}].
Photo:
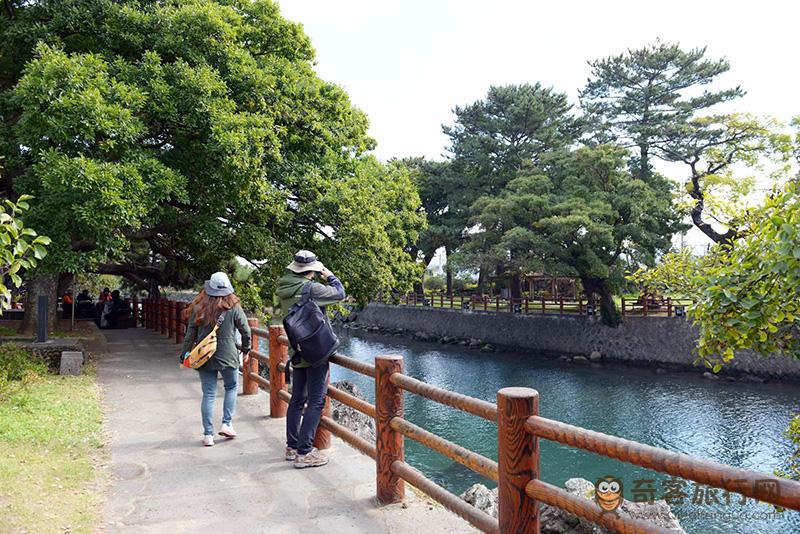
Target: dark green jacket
[
  {"x": 288, "y": 290},
  {"x": 227, "y": 354}
]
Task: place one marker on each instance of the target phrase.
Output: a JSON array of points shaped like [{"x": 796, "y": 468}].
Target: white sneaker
[
  {"x": 291, "y": 454},
  {"x": 208, "y": 440},
  {"x": 315, "y": 458},
  {"x": 227, "y": 431}
]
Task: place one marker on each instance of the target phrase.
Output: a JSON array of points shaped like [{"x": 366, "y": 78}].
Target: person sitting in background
[
  {"x": 67, "y": 303},
  {"x": 85, "y": 308},
  {"x": 105, "y": 296},
  {"x": 117, "y": 309},
  {"x": 103, "y": 299}
]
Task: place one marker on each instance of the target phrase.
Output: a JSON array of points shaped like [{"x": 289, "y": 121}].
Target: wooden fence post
[
  {"x": 388, "y": 442},
  {"x": 170, "y": 318},
  {"x": 249, "y": 386},
  {"x": 156, "y": 314},
  {"x": 164, "y": 316},
  {"x": 322, "y": 439},
  {"x": 518, "y": 461},
  {"x": 622, "y": 305},
  {"x": 277, "y": 379},
  {"x": 150, "y": 312},
  {"x": 180, "y": 329}
]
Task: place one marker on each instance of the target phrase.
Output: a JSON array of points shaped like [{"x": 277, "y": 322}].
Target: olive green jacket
[
  {"x": 227, "y": 354},
  {"x": 287, "y": 294}
]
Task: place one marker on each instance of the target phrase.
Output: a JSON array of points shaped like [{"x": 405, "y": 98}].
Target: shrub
[
  {"x": 18, "y": 368},
  {"x": 434, "y": 283},
  {"x": 6, "y": 331}
]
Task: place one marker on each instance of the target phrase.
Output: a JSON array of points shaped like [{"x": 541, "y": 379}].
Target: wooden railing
[
  {"x": 536, "y": 306},
  {"x": 519, "y": 429}
]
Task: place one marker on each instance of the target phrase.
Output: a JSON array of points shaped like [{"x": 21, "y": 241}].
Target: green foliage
[
  {"x": 793, "y": 433},
  {"x": 95, "y": 283},
  {"x": 18, "y": 368},
  {"x": 20, "y": 247},
  {"x": 166, "y": 138},
  {"x": 434, "y": 283},
  {"x": 641, "y": 97},
  {"x": 579, "y": 214},
  {"x": 747, "y": 289},
  {"x": 437, "y": 188},
  {"x": 650, "y": 99},
  {"x": 6, "y": 331},
  {"x": 492, "y": 138}
]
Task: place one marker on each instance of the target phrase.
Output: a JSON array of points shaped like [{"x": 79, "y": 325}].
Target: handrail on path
[{"x": 519, "y": 428}]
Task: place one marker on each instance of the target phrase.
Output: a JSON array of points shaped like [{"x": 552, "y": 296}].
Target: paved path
[{"x": 164, "y": 480}]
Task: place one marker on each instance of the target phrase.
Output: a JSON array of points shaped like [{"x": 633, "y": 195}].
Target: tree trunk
[
  {"x": 609, "y": 314},
  {"x": 449, "y": 279},
  {"x": 515, "y": 287},
  {"x": 154, "y": 291},
  {"x": 481, "y": 279},
  {"x": 42, "y": 284}
]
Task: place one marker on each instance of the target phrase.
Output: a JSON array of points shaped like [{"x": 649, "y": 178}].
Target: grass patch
[
  {"x": 6, "y": 331},
  {"x": 51, "y": 442}
]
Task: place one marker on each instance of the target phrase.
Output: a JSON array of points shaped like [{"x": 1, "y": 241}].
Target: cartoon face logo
[{"x": 608, "y": 493}]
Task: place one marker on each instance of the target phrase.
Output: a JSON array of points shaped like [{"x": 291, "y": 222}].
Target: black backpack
[{"x": 309, "y": 331}]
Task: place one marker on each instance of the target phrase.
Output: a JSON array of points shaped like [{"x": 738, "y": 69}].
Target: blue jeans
[
  {"x": 310, "y": 386},
  {"x": 208, "y": 380}
]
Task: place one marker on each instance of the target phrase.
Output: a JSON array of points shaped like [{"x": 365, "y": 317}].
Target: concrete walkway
[{"x": 164, "y": 480}]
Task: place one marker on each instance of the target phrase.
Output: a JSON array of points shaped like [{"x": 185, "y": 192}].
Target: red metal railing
[{"x": 519, "y": 430}]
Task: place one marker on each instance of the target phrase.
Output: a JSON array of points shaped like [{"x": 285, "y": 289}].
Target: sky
[{"x": 408, "y": 64}]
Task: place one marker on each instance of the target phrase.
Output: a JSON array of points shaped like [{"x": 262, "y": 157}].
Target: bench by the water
[{"x": 519, "y": 429}]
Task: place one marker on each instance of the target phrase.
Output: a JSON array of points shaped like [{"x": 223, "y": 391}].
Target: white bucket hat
[
  {"x": 304, "y": 261},
  {"x": 218, "y": 286}
]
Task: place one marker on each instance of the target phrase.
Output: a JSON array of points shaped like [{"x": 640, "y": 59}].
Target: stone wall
[{"x": 660, "y": 341}]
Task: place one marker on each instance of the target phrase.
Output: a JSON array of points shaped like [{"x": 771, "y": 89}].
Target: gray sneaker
[
  {"x": 291, "y": 454},
  {"x": 315, "y": 458}
]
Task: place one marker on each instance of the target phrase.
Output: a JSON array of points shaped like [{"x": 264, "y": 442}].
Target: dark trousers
[{"x": 310, "y": 384}]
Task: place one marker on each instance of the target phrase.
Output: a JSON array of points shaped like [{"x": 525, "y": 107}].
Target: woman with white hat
[
  {"x": 310, "y": 381},
  {"x": 215, "y": 299}
]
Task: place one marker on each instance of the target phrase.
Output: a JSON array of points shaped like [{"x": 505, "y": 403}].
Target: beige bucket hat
[{"x": 304, "y": 261}]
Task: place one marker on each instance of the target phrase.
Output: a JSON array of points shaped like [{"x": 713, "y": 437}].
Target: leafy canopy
[
  {"x": 578, "y": 214},
  {"x": 747, "y": 293},
  {"x": 20, "y": 247},
  {"x": 163, "y": 139}
]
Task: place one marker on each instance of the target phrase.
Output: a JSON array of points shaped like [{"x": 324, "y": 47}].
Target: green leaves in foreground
[
  {"x": 20, "y": 247},
  {"x": 747, "y": 292}
]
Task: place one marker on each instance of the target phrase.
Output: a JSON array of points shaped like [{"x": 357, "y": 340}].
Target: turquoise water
[{"x": 738, "y": 424}]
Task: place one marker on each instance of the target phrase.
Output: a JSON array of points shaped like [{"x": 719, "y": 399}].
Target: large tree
[
  {"x": 580, "y": 214},
  {"x": 493, "y": 138},
  {"x": 437, "y": 186},
  {"x": 746, "y": 289},
  {"x": 636, "y": 98},
  {"x": 162, "y": 139},
  {"x": 656, "y": 101}
]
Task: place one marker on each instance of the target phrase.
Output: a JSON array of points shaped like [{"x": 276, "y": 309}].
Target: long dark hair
[{"x": 208, "y": 309}]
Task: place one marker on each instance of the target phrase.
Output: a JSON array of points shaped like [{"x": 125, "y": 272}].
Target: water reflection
[{"x": 739, "y": 424}]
